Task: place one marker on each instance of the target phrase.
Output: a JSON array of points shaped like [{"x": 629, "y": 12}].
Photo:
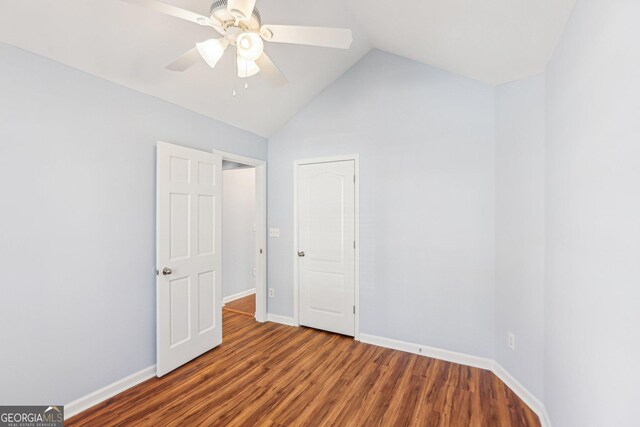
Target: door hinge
[
  {"x": 354, "y": 244},
  {"x": 354, "y": 309}
]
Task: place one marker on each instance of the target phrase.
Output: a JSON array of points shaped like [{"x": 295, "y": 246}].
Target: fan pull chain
[
  {"x": 246, "y": 72},
  {"x": 237, "y": 73},
  {"x": 235, "y": 70}
]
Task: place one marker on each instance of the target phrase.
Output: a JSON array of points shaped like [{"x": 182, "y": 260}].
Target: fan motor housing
[{"x": 220, "y": 13}]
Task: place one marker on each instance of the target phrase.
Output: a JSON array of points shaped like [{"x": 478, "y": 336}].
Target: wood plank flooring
[
  {"x": 245, "y": 305},
  {"x": 274, "y": 375}
]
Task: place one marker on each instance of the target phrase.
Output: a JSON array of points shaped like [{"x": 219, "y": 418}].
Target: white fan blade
[
  {"x": 167, "y": 9},
  {"x": 185, "y": 60},
  {"x": 270, "y": 72},
  {"x": 339, "y": 38}
]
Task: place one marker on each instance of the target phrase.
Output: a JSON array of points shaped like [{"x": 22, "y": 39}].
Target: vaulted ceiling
[{"x": 494, "y": 41}]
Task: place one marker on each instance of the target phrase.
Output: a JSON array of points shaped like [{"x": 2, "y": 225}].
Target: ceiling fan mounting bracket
[{"x": 220, "y": 13}]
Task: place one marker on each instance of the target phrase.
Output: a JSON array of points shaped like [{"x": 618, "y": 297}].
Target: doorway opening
[
  {"x": 238, "y": 238},
  {"x": 189, "y": 224},
  {"x": 243, "y": 236}
]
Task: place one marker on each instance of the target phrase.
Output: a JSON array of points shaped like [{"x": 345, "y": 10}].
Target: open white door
[
  {"x": 326, "y": 246},
  {"x": 188, "y": 239}
]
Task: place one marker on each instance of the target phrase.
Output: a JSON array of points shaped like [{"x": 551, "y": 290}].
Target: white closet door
[{"x": 326, "y": 246}]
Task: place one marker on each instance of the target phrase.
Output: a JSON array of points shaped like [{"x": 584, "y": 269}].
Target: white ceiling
[{"x": 493, "y": 41}]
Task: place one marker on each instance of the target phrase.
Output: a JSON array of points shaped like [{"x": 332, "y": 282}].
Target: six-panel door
[{"x": 189, "y": 302}]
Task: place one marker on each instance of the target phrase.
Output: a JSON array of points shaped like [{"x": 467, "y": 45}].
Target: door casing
[
  {"x": 296, "y": 164},
  {"x": 261, "y": 228}
]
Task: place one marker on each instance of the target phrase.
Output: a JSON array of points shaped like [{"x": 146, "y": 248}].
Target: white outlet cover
[{"x": 274, "y": 232}]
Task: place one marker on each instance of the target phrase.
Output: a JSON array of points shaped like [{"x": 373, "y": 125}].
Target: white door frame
[
  {"x": 261, "y": 228},
  {"x": 296, "y": 164}
]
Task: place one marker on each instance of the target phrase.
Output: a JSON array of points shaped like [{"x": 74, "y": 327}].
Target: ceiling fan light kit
[
  {"x": 238, "y": 21},
  {"x": 212, "y": 50},
  {"x": 246, "y": 68},
  {"x": 249, "y": 46}
]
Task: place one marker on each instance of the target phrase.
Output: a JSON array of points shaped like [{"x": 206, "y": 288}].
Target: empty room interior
[{"x": 320, "y": 213}]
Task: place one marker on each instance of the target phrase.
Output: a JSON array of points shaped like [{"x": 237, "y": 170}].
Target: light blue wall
[
  {"x": 238, "y": 237},
  {"x": 77, "y": 225},
  {"x": 520, "y": 232},
  {"x": 425, "y": 139},
  {"x": 592, "y": 295}
]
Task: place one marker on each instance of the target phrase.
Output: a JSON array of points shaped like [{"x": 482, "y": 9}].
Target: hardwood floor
[
  {"x": 273, "y": 375},
  {"x": 245, "y": 305}
]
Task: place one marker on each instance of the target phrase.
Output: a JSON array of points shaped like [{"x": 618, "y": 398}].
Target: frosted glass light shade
[
  {"x": 247, "y": 68},
  {"x": 250, "y": 46},
  {"x": 212, "y": 50}
]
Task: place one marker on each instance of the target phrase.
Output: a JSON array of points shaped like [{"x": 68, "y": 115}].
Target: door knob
[
  {"x": 166, "y": 271},
  {"x": 300, "y": 254}
]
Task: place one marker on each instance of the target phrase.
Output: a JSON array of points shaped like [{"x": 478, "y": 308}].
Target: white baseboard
[
  {"x": 238, "y": 295},
  {"x": 285, "y": 320},
  {"x": 91, "y": 399},
  {"x": 436, "y": 353},
  {"x": 465, "y": 359},
  {"x": 523, "y": 393}
]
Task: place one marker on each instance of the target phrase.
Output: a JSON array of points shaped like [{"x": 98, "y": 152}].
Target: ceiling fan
[{"x": 238, "y": 21}]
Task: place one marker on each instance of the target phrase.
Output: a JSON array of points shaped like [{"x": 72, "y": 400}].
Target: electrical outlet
[
  {"x": 511, "y": 341},
  {"x": 274, "y": 232},
  {"x": 272, "y": 292}
]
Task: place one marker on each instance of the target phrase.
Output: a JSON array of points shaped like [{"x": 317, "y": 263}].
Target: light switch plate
[
  {"x": 511, "y": 341},
  {"x": 274, "y": 232}
]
